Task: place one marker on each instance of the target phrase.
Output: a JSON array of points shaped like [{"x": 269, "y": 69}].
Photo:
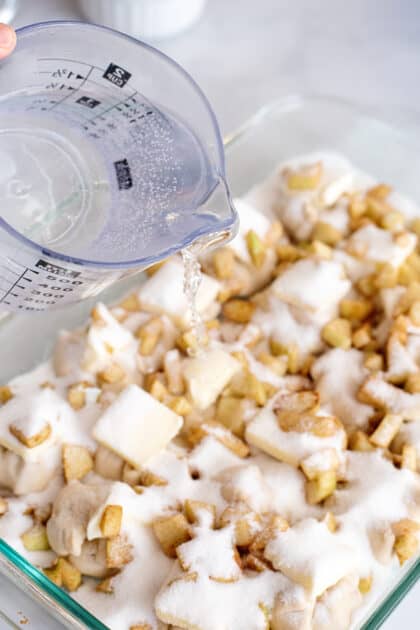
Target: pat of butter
[
  {"x": 136, "y": 426},
  {"x": 206, "y": 376}
]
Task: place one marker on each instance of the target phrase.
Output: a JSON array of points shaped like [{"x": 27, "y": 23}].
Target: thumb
[{"x": 7, "y": 40}]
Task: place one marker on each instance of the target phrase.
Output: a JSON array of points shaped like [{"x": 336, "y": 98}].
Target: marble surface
[{"x": 246, "y": 53}]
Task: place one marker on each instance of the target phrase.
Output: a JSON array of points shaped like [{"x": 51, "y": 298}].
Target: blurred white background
[{"x": 245, "y": 53}]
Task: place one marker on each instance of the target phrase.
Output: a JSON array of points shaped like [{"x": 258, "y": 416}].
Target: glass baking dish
[{"x": 288, "y": 127}]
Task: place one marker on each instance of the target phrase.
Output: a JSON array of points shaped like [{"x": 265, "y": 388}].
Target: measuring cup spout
[{"x": 219, "y": 215}]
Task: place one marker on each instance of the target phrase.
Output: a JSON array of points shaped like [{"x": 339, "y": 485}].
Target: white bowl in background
[{"x": 146, "y": 19}]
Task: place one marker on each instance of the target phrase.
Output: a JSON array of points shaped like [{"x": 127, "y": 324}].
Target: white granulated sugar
[
  {"x": 299, "y": 215},
  {"x": 335, "y": 607},
  {"x": 392, "y": 398},
  {"x": 233, "y": 605},
  {"x": 355, "y": 268},
  {"x": 287, "y": 485},
  {"x": 337, "y": 217},
  {"x": 324, "y": 460},
  {"x": 311, "y": 284},
  {"x": 133, "y": 601},
  {"x": 365, "y": 511},
  {"x": 389, "y": 299},
  {"x": 107, "y": 342},
  {"x": 409, "y": 434},
  {"x": 210, "y": 457},
  {"x": 338, "y": 376},
  {"x": 373, "y": 243},
  {"x": 164, "y": 292},
  {"x": 31, "y": 414},
  {"x": 68, "y": 354},
  {"x": 314, "y": 565},
  {"x": 365, "y": 499},
  {"x": 400, "y": 362},
  {"x": 299, "y": 210},
  {"x": 282, "y": 325},
  {"x": 247, "y": 484},
  {"x": 15, "y": 522},
  {"x": 220, "y": 564},
  {"x": 250, "y": 219},
  {"x": 287, "y": 446}
]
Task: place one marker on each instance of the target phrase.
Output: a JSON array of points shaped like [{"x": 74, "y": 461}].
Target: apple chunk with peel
[
  {"x": 136, "y": 426},
  {"x": 206, "y": 376}
]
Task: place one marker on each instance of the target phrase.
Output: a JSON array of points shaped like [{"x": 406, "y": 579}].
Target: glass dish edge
[{"x": 60, "y": 604}]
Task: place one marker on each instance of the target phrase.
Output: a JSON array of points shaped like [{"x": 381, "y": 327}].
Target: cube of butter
[
  {"x": 207, "y": 375},
  {"x": 136, "y": 426},
  {"x": 164, "y": 293}
]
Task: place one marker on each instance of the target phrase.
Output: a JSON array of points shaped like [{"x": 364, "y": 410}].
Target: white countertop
[{"x": 245, "y": 53}]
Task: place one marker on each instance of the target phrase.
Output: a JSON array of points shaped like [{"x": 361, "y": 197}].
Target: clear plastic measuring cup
[{"x": 111, "y": 159}]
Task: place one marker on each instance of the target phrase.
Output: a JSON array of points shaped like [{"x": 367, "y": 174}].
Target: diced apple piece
[
  {"x": 409, "y": 457},
  {"x": 320, "y": 462},
  {"x": 171, "y": 531},
  {"x": 105, "y": 337},
  {"x": 36, "y": 539},
  {"x": 4, "y": 506},
  {"x": 405, "y": 546},
  {"x": 105, "y": 586},
  {"x": 31, "y": 441},
  {"x": 118, "y": 552},
  {"x": 223, "y": 263},
  {"x": 321, "y": 487},
  {"x": 77, "y": 461},
  {"x": 238, "y": 310},
  {"x": 111, "y": 520},
  {"x": 386, "y": 430},
  {"x": 306, "y": 177},
  {"x": 5, "y": 394},
  {"x": 199, "y": 511},
  {"x": 70, "y": 576},
  {"x": 337, "y": 333},
  {"x": 222, "y": 435},
  {"x": 251, "y": 220},
  {"x": 275, "y": 526},
  {"x": 257, "y": 248}
]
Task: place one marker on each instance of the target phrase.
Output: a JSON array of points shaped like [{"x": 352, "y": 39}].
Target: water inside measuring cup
[{"x": 110, "y": 190}]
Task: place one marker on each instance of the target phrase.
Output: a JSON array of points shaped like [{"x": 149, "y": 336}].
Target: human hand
[{"x": 7, "y": 40}]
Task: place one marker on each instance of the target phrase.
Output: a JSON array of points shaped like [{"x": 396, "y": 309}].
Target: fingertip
[{"x": 7, "y": 40}]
